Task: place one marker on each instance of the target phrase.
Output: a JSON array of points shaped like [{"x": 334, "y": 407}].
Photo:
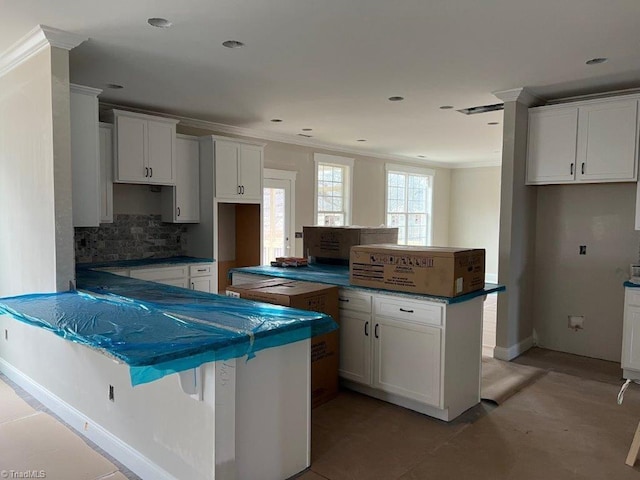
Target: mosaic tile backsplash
[{"x": 130, "y": 237}]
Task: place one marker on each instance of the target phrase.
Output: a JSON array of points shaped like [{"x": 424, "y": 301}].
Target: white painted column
[{"x": 514, "y": 329}]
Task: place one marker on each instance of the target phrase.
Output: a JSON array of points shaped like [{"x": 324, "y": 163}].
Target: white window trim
[
  {"x": 395, "y": 167},
  {"x": 333, "y": 160}
]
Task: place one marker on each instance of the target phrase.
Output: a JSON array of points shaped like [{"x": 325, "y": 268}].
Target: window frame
[
  {"x": 416, "y": 170},
  {"x": 334, "y": 160}
]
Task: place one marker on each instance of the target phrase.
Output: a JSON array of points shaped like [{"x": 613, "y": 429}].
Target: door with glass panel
[{"x": 276, "y": 220}]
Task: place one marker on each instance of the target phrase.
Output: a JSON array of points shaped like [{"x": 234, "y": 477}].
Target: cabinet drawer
[
  {"x": 356, "y": 301},
  {"x": 160, "y": 273},
  {"x": 633, "y": 296},
  {"x": 410, "y": 310},
  {"x": 199, "y": 270}
]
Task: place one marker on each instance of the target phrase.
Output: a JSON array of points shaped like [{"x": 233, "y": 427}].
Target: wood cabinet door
[
  {"x": 608, "y": 141},
  {"x": 226, "y": 170},
  {"x": 131, "y": 150},
  {"x": 161, "y": 146},
  {"x": 355, "y": 346},
  {"x": 407, "y": 359},
  {"x": 187, "y": 194},
  {"x": 551, "y": 148},
  {"x": 250, "y": 172}
]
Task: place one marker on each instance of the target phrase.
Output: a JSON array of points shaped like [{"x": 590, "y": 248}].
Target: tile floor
[{"x": 566, "y": 425}]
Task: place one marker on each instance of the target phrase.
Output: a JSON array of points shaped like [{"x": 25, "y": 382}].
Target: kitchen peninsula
[
  {"x": 418, "y": 351},
  {"x": 244, "y": 375}
]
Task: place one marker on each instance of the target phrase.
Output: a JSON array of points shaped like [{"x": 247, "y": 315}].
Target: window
[
  {"x": 333, "y": 190},
  {"x": 409, "y": 200}
]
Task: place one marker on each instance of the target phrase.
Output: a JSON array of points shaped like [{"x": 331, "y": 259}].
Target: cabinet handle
[
  {"x": 202, "y": 269},
  {"x": 193, "y": 286},
  {"x": 406, "y": 311},
  {"x": 582, "y": 168},
  {"x": 341, "y": 299},
  {"x": 178, "y": 211},
  {"x": 151, "y": 170},
  {"x": 239, "y": 190},
  {"x": 375, "y": 331},
  {"x": 571, "y": 169},
  {"x": 366, "y": 329},
  {"x": 146, "y": 172},
  {"x": 242, "y": 187}
]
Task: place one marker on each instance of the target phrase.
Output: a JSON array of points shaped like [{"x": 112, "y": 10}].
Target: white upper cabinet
[
  {"x": 583, "y": 142},
  {"x": 238, "y": 171},
  {"x": 607, "y": 141},
  {"x": 85, "y": 156},
  {"x": 552, "y": 145},
  {"x": 144, "y": 148},
  {"x": 106, "y": 173},
  {"x": 181, "y": 204}
]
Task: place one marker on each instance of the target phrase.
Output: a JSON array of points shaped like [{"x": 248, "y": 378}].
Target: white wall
[
  {"x": 474, "y": 221},
  {"x": 36, "y": 234},
  {"x": 136, "y": 199},
  {"x": 602, "y": 218}
]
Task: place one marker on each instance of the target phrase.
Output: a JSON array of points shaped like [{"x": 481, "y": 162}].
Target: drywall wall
[
  {"x": 28, "y": 241},
  {"x": 474, "y": 220},
  {"x": 368, "y": 186},
  {"x": 600, "y": 216},
  {"x": 136, "y": 199}
]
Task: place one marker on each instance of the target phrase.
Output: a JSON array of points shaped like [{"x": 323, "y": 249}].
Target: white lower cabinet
[
  {"x": 355, "y": 346},
  {"x": 631, "y": 334},
  {"x": 192, "y": 276},
  {"x": 407, "y": 359}
]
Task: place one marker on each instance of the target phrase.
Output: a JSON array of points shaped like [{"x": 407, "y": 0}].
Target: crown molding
[
  {"x": 521, "y": 95},
  {"x": 479, "y": 164},
  {"x": 278, "y": 137},
  {"x": 74, "y": 87},
  {"x": 33, "y": 42}
]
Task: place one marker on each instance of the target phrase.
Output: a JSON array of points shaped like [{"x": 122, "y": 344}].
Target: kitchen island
[
  {"x": 418, "y": 351},
  {"x": 239, "y": 407}
]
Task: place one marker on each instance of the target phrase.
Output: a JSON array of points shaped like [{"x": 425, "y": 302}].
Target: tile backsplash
[{"x": 130, "y": 237}]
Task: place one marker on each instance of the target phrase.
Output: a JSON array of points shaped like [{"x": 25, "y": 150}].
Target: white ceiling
[{"x": 331, "y": 65}]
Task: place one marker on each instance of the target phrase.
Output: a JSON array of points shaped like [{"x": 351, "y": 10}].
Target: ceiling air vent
[{"x": 482, "y": 109}]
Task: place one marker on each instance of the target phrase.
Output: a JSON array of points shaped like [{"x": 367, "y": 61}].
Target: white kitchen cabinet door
[
  {"x": 161, "y": 141},
  {"x": 250, "y": 172},
  {"x": 106, "y": 174},
  {"x": 201, "y": 284},
  {"x": 85, "y": 156},
  {"x": 551, "y": 148},
  {"x": 226, "y": 169},
  {"x": 407, "y": 360},
  {"x": 608, "y": 141},
  {"x": 631, "y": 331},
  {"x": 355, "y": 346},
  {"x": 181, "y": 204},
  {"x": 131, "y": 150},
  {"x": 177, "y": 282}
]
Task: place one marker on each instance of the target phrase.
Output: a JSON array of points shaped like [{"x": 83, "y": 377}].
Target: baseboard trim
[
  {"x": 513, "y": 351},
  {"x": 125, "y": 454}
]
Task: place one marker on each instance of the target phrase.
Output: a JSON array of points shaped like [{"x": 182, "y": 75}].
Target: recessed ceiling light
[
  {"x": 233, "y": 44},
  {"x": 493, "y": 123},
  {"x": 446, "y": 107},
  {"x": 307, "y": 129},
  {"x": 396, "y": 99},
  {"x": 114, "y": 86},
  {"x": 159, "y": 22},
  {"x": 276, "y": 120},
  {"x": 596, "y": 61},
  {"x": 304, "y": 135},
  {"x": 421, "y": 156},
  {"x": 362, "y": 140}
]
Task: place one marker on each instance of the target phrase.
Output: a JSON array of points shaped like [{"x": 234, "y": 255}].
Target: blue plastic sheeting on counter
[
  {"x": 631, "y": 284},
  {"x": 339, "y": 275},
  {"x": 171, "y": 330}
]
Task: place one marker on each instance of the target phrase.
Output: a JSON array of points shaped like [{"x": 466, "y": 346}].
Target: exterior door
[{"x": 276, "y": 220}]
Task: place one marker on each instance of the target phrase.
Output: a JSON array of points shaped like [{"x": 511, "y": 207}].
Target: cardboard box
[
  {"x": 316, "y": 297},
  {"x": 440, "y": 271},
  {"x": 332, "y": 244}
]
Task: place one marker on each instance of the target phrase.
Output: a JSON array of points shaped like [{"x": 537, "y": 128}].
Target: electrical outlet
[
  {"x": 111, "y": 396},
  {"x": 576, "y": 322}
]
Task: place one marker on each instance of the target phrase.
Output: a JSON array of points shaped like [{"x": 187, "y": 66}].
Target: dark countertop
[
  {"x": 144, "y": 262},
  {"x": 339, "y": 275}
]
